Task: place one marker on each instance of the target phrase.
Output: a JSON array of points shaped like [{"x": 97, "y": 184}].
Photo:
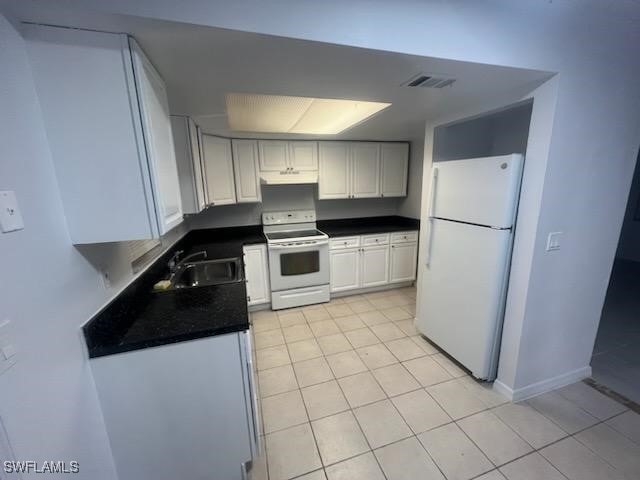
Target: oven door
[{"x": 298, "y": 264}]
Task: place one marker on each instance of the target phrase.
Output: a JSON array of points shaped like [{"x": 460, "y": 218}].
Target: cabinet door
[
  {"x": 154, "y": 106},
  {"x": 375, "y": 266},
  {"x": 394, "y": 159},
  {"x": 274, "y": 155},
  {"x": 344, "y": 269},
  {"x": 218, "y": 167},
  {"x": 205, "y": 188},
  {"x": 403, "y": 262},
  {"x": 365, "y": 170},
  {"x": 334, "y": 175},
  {"x": 187, "y": 147},
  {"x": 196, "y": 155},
  {"x": 256, "y": 271},
  {"x": 303, "y": 156},
  {"x": 245, "y": 166},
  {"x": 176, "y": 400}
]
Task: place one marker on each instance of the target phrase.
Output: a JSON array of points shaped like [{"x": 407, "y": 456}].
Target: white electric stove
[{"x": 298, "y": 258}]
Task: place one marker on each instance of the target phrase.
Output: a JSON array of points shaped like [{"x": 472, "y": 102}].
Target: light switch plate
[
  {"x": 10, "y": 217},
  {"x": 553, "y": 241}
]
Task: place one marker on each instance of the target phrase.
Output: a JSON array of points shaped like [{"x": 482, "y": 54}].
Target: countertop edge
[{"x": 99, "y": 352}]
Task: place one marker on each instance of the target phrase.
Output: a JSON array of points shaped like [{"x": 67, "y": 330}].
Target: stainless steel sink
[{"x": 207, "y": 272}]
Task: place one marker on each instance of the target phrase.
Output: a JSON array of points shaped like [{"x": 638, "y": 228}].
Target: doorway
[{"x": 616, "y": 354}]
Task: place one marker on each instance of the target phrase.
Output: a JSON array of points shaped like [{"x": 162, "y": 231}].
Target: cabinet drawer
[
  {"x": 403, "y": 237},
  {"x": 344, "y": 242},
  {"x": 377, "y": 239}
]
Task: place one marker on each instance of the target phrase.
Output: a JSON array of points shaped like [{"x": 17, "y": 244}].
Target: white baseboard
[
  {"x": 259, "y": 306},
  {"x": 360, "y": 291},
  {"x": 544, "y": 386}
]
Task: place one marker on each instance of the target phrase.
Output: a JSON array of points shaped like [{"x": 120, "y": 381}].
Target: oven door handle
[{"x": 316, "y": 243}]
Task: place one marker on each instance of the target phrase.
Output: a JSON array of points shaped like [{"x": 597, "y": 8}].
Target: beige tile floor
[{"x": 350, "y": 391}]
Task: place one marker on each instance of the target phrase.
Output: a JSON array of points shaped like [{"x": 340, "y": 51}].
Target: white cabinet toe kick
[{"x": 299, "y": 296}]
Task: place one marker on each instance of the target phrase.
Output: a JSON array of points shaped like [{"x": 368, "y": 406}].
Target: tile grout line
[
  {"x": 362, "y": 431},
  {"x": 488, "y": 408}
]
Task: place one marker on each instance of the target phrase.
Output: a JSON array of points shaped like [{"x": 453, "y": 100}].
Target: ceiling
[{"x": 201, "y": 64}]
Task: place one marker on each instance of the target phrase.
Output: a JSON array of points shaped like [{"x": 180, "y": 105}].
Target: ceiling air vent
[{"x": 428, "y": 80}]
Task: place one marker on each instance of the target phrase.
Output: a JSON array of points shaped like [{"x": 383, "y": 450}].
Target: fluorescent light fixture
[{"x": 284, "y": 114}]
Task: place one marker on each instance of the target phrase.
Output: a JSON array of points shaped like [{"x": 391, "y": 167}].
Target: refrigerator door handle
[{"x": 434, "y": 187}]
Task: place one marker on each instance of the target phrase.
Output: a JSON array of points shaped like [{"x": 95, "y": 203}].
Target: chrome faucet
[
  {"x": 191, "y": 256},
  {"x": 173, "y": 262}
]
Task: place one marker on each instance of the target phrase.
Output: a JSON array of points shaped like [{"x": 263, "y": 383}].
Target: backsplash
[{"x": 293, "y": 197}]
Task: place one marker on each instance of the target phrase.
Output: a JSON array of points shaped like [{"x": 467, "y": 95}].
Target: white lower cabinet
[
  {"x": 375, "y": 266},
  {"x": 404, "y": 257},
  {"x": 369, "y": 261},
  {"x": 184, "y": 410},
  {"x": 256, "y": 271},
  {"x": 345, "y": 269}
]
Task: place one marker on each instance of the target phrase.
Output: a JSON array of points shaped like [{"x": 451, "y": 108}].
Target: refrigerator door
[
  {"x": 483, "y": 191},
  {"x": 463, "y": 291}
]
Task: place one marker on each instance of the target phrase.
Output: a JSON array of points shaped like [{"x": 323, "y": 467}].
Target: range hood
[{"x": 288, "y": 178}]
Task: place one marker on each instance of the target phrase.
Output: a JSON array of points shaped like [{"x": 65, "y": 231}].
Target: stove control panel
[{"x": 293, "y": 216}]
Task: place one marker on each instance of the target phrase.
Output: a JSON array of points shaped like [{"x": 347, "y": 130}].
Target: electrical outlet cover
[
  {"x": 553, "y": 241},
  {"x": 10, "y": 217}
]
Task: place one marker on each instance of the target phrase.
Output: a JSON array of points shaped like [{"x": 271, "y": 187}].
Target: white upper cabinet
[
  {"x": 187, "y": 144},
  {"x": 362, "y": 169},
  {"x": 274, "y": 155},
  {"x": 218, "y": 168},
  {"x": 156, "y": 127},
  {"x": 365, "y": 167},
  {"x": 334, "y": 179},
  {"x": 394, "y": 160},
  {"x": 303, "y": 156},
  {"x": 245, "y": 163},
  {"x": 106, "y": 115}
]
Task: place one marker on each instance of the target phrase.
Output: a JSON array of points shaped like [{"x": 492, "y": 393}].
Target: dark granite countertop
[
  {"x": 140, "y": 318},
  {"x": 363, "y": 226}
]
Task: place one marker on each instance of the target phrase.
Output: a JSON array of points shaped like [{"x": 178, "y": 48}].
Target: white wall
[
  {"x": 629, "y": 246},
  {"x": 592, "y": 147},
  {"x": 48, "y": 402},
  {"x": 297, "y": 197},
  {"x": 542, "y": 116},
  {"x": 410, "y": 205},
  {"x": 589, "y": 155}
]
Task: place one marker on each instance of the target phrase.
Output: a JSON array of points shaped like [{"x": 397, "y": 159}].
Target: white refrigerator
[{"x": 468, "y": 253}]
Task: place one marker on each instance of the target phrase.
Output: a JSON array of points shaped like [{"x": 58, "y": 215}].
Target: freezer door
[
  {"x": 463, "y": 293},
  {"x": 483, "y": 191}
]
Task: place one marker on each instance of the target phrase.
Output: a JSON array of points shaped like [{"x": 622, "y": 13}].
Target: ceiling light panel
[{"x": 284, "y": 114}]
